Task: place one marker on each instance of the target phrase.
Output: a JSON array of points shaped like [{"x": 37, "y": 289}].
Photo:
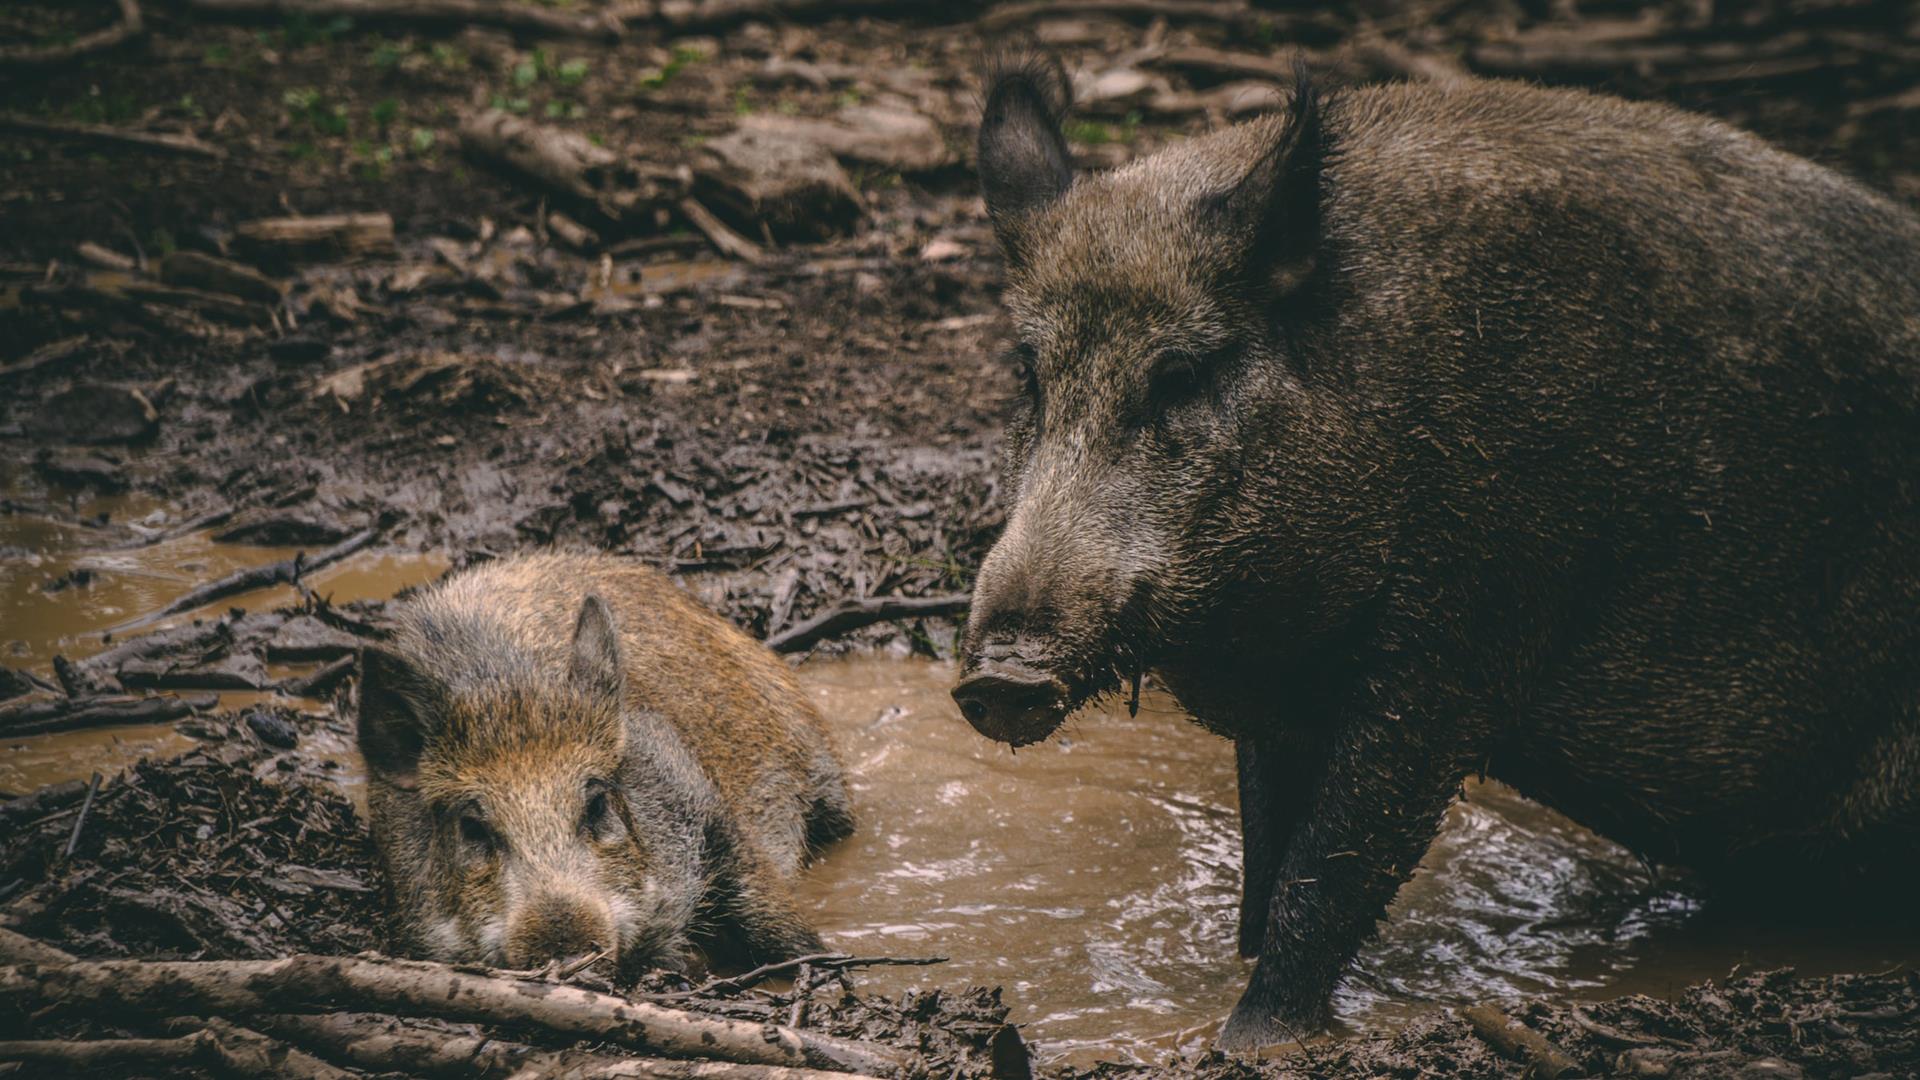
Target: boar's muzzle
[{"x": 1008, "y": 701}]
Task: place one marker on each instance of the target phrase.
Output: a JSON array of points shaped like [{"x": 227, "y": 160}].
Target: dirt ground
[{"x": 788, "y": 398}]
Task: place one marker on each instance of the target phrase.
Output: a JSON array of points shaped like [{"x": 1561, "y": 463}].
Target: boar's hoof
[
  {"x": 1255, "y": 1024},
  {"x": 1012, "y": 703}
]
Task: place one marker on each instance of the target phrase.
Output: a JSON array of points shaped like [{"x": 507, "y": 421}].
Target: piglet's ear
[
  {"x": 399, "y": 706},
  {"x": 596, "y": 651},
  {"x": 1275, "y": 206},
  {"x": 1023, "y": 156}
]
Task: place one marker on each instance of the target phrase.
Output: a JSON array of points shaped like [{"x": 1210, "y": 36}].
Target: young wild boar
[
  {"x": 567, "y": 754},
  {"x": 1426, "y": 431}
]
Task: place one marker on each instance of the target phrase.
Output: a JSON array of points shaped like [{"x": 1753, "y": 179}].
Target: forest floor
[{"x": 779, "y": 377}]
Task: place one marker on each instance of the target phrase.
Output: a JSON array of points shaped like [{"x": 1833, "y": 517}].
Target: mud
[{"x": 782, "y": 436}]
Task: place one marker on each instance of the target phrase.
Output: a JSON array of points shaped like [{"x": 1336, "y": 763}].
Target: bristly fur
[
  {"x": 515, "y": 691},
  {"x": 1422, "y": 430}
]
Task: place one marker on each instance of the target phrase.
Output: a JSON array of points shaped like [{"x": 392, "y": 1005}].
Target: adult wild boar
[
  {"x": 567, "y": 754},
  {"x": 1423, "y": 431}
]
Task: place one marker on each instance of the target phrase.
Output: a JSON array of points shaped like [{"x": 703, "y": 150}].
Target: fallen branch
[
  {"x": 1234, "y": 14},
  {"x": 1519, "y": 1042},
  {"x": 49, "y": 353},
  {"x": 724, "y": 239},
  {"x": 71, "y": 714},
  {"x": 320, "y": 683},
  {"x": 18, "y": 948},
  {"x": 161, "y": 142},
  {"x": 325, "y": 237},
  {"x": 130, "y": 26},
  {"x": 569, "y": 164},
  {"x": 38, "y": 804},
  {"x": 326, "y": 983},
  {"x": 529, "y": 18},
  {"x": 390, "y": 1044},
  {"x": 854, "y": 614},
  {"x": 832, "y": 961},
  {"x": 284, "y": 572}
]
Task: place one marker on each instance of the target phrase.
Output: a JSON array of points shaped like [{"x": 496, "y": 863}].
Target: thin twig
[
  {"x": 80, "y": 820},
  {"x": 130, "y": 26}
]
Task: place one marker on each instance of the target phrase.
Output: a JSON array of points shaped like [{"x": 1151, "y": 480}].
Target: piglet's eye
[{"x": 599, "y": 806}]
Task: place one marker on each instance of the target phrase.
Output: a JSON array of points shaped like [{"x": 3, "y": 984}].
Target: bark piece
[
  {"x": 566, "y": 163},
  {"x": 305, "y": 239},
  {"x": 195, "y": 270},
  {"x": 790, "y": 184},
  {"x": 884, "y": 136}
]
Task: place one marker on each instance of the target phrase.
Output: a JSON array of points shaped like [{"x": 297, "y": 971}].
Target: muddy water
[
  {"x": 1095, "y": 878},
  {"x": 67, "y": 574}
]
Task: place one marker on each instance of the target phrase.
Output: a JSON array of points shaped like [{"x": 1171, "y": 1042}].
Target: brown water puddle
[
  {"x": 1096, "y": 878},
  {"x": 127, "y": 578}
]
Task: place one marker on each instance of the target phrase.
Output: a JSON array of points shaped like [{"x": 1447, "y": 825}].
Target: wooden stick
[
  {"x": 130, "y": 26},
  {"x": 391, "y": 1044},
  {"x": 1232, "y": 13},
  {"x": 80, "y": 819},
  {"x": 1519, "y": 1042},
  {"x": 18, "y": 948},
  {"x": 246, "y": 1052},
  {"x": 244, "y": 987},
  {"x": 161, "y": 142},
  {"x": 324, "y": 236},
  {"x": 832, "y": 961},
  {"x": 284, "y": 572},
  {"x": 854, "y": 614},
  {"x": 71, "y": 714},
  {"x": 724, "y": 239},
  {"x": 528, "y": 18}
]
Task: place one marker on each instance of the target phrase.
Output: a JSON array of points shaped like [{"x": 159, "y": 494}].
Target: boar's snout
[
  {"x": 1010, "y": 702},
  {"x": 558, "y": 927}
]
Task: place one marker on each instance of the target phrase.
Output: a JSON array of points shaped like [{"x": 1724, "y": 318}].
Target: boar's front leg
[
  {"x": 755, "y": 905},
  {"x": 1375, "y": 811},
  {"x": 1276, "y": 782}
]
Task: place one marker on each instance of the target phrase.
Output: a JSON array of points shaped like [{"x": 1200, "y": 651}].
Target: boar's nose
[
  {"x": 1011, "y": 702},
  {"x": 557, "y": 928}
]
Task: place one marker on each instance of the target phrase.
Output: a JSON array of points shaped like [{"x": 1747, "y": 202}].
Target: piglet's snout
[{"x": 557, "y": 926}]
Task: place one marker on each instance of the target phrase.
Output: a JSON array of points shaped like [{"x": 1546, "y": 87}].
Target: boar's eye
[
  {"x": 474, "y": 830},
  {"x": 1179, "y": 376}
]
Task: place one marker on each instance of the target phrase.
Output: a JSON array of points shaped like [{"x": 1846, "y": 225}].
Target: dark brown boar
[
  {"x": 1422, "y": 431},
  {"x": 567, "y": 754}
]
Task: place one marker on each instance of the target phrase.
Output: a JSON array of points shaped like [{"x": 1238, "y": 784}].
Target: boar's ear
[
  {"x": 398, "y": 704},
  {"x": 1275, "y": 206},
  {"x": 596, "y": 651},
  {"x": 1023, "y": 157}
]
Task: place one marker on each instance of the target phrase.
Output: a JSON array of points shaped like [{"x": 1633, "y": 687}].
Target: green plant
[{"x": 677, "y": 62}]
